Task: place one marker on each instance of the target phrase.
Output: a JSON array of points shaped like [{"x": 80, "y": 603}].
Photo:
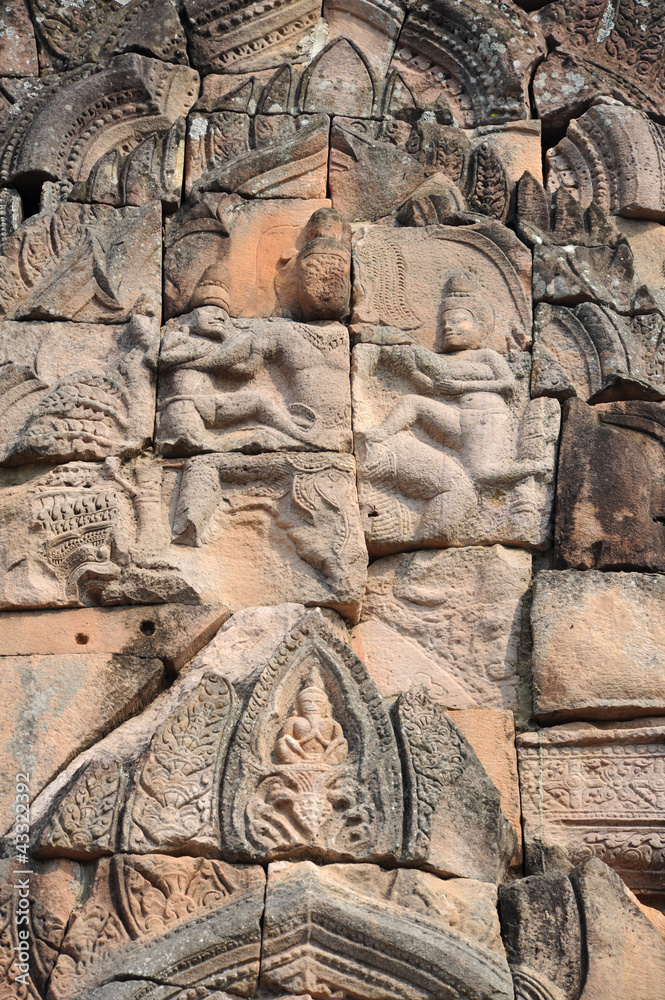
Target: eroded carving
[
  {"x": 84, "y": 822},
  {"x": 235, "y": 385},
  {"x": 466, "y": 414},
  {"x": 77, "y": 391},
  {"x": 595, "y": 792},
  {"x": 90, "y": 264},
  {"x": 446, "y": 828},
  {"x": 313, "y": 767}
]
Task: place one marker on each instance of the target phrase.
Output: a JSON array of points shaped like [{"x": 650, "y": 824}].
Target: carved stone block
[
  {"x": 426, "y": 172},
  {"x": 471, "y": 60},
  {"x": 402, "y": 278},
  {"x": 92, "y": 32},
  {"x": 611, "y": 487},
  {"x": 55, "y": 706},
  {"x": 542, "y": 934},
  {"x": 266, "y": 156},
  {"x": 450, "y": 619},
  {"x": 173, "y": 633},
  {"x": 612, "y": 155},
  {"x": 451, "y": 451},
  {"x": 625, "y": 953},
  {"x": 252, "y": 385},
  {"x": 454, "y": 824},
  {"x": 80, "y": 123},
  {"x": 18, "y": 48},
  {"x": 313, "y": 768},
  {"x": 568, "y": 275},
  {"x": 177, "y": 921},
  {"x": 371, "y": 26},
  {"x": 221, "y": 41},
  {"x": 598, "y": 50},
  {"x": 223, "y": 251},
  {"x": 357, "y": 930},
  {"x": 35, "y": 909},
  {"x": 91, "y": 264},
  {"x": 598, "y": 645},
  {"x": 76, "y": 390},
  {"x": 255, "y": 530},
  {"x": 592, "y": 352},
  {"x": 595, "y": 791}
]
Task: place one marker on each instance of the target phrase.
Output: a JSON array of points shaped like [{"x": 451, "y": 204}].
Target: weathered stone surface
[
  {"x": 450, "y": 449},
  {"x": 625, "y": 953},
  {"x": 611, "y": 487},
  {"x": 599, "y": 50},
  {"x": 470, "y": 60},
  {"x": 153, "y": 170},
  {"x": 491, "y": 733},
  {"x": 356, "y": 929},
  {"x": 18, "y": 49},
  {"x": 592, "y": 352},
  {"x": 426, "y": 171},
  {"x": 252, "y": 385},
  {"x": 72, "y": 34},
  {"x": 540, "y": 926},
  {"x": 259, "y": 37},
  {"x": 55, "y": 706},
  {"x": 267, "y": 156},
  {"x": 612, "y": 155},
  {"x": 372, "y": 26},
  {"x": 596, "y": 791},
  {"x": 544, "y": 219},
  {"x": 313, "y": 768},
  {"x": 77, "y": 390},
  {"x": 399, "y": 276},
  {"x": 315, "y": 284},
  {"x": 36, "y": 902},
  {"x": 50, "y": 133},
  {"x": 450, "y": 619},
  {"x": 598, "y": 645},
  {"x": 229, "y": 529},
  {"x": 223, "y": 251},
  {"x": 454, "y": 824},
  {"x": 176, "y": 921},
  {"x": 90, "y": 264},
  {"x": 173, "y": 633}
]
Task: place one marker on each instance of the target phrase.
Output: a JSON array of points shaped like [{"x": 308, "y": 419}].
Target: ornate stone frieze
[{"x": 595, "y": 791}]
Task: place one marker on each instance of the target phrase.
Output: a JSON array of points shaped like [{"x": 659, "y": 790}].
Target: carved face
[
  {"x": 312, "y": 703},
  {"x": 458, "y": 331},
  {"x": 324, "y": 285}
]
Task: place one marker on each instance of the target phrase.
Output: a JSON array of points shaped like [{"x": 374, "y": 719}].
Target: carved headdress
[
  {"x": 213, "y": 288},
  {"x": 462, "y": 292}
]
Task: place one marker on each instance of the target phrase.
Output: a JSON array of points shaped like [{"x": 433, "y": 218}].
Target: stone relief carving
[
  {"x": 444, "y": 828},
  {"x": 77, "y": 390},
  {"x": 313, "y": 767},
  {"x": 50, "y": 133},
  {"x": 409, "y": 400},
  {"x": 86, "y": 263},
  {"x": 595, "y": 791},
  {"x": 414, "y": 934},
  {"x": 248, "y": 385},
  {"x": 400, "y": 274},
  {"x": 179, "y": 921},
  {"x": 72, "y": 35}
]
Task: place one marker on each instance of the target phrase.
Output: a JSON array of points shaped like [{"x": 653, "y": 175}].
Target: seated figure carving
[{"x": 311, "y": 735}]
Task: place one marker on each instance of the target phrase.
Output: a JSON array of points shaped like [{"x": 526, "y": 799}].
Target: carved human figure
[
  {"x": 323, "y": 267},
  {"x": 304, "y": 397},
  {"x": 473, "y": 418},
  {"x": 311, "y": 735}
]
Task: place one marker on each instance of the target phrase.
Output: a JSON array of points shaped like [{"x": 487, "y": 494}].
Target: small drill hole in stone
[
  {"x": 148, "y": 627},
  {"x": 82, "y": 639}
]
